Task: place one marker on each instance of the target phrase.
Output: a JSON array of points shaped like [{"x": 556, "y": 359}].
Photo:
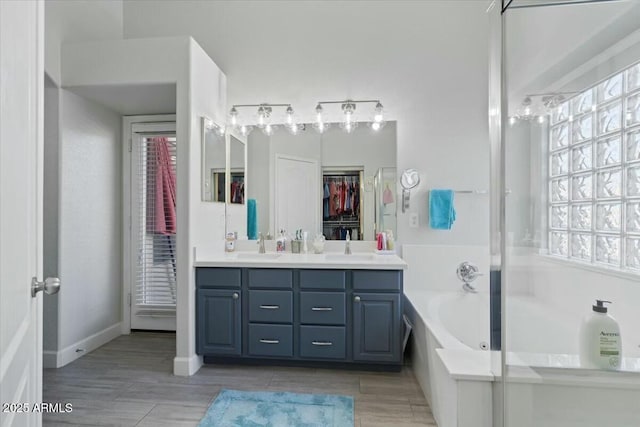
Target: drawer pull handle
[
  {"x": 322, "y": 343},
  {"x": 357, "y": 299},
  {"x": 270, "y": 307},
  {"x": 263, "y": 341},
  {"x": 321, "y": 308},
  {"x": 235, "y": 295}
]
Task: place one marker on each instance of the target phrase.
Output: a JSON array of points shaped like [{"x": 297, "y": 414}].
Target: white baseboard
[
  {"x": 187, "y": 366},
  {"x": 58, "y": 359}
]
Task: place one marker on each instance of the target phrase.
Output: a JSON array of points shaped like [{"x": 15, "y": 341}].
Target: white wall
[
  {"x": 207, "y": 96},
  {"x": 90, "y": 233},
  {"x": 78, "y": 20},
  {"x": 200, "y": 91},
  {"x": 426, "y": 61}
]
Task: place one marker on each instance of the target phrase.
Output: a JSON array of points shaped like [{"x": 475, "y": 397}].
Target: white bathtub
[{"x": 460, "y": 379}]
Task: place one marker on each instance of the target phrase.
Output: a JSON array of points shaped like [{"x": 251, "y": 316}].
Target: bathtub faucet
[{"x": 467, "y": 273}]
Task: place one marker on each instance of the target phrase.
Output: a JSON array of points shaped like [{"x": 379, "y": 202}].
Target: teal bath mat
[{"x": 266, "y": 409}]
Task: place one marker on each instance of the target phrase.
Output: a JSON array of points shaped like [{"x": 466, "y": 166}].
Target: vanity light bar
[
  {"x": 264, "y": 111},
  {"x": 264, "y": 115},
  {"x": 348, "y": 109}
]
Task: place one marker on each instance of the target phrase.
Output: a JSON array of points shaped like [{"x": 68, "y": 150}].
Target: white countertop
[{"x": 337, "y": 260}]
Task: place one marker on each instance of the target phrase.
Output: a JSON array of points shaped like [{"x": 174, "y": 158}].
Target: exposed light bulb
[
  {"x": 234, "y": 116},
  {"x": 541, "y": 119},
  {"x": 289, "y": 115},
  {"x": 319, "y": 113},
  {"x": 375, "y": 126},
  {"x": 512, "y": 120},
  {"x": 378, "y": 117},
  {"x": 262, "y": 116},
  {"x": 527, "y": 111},
  {"x": 348, "y": 116}
]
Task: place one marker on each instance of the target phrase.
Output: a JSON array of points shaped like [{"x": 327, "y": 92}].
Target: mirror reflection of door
[{"x": 297, "y": 206}]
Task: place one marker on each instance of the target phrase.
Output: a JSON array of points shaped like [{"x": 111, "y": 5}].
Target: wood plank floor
[{"x": 129, "y": 382}]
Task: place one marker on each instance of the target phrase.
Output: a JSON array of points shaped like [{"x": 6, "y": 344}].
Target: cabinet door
[
  {"x": 376, "y": 327},
  {"x": 219, "y": 322}
]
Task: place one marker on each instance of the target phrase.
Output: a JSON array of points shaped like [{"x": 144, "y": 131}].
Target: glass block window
[{"x": 594, "y": 174}]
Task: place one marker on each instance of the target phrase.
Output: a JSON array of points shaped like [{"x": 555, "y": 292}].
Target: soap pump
[{"x": 600, "y": 340}]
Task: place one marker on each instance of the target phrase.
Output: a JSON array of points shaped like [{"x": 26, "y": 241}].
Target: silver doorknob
[
  {"x": 235, "y": 295},
  {"x": 51, "y": 286},
  {"x": 357, "y": 299}
]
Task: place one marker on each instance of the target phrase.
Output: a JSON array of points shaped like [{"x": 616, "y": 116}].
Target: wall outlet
[{"x": 414, "y": 220}]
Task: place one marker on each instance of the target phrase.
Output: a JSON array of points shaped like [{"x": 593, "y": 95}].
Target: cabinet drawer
[
  {"x": 322, "y": 342},
  {"x": 218, "y": 277},
  {"x": 270, "y": 278},
  {"x": 322, "y": 308},
  {"x": 270, "y": 340},
  {"x": 323, "y": 279},
  {"x": 377, "y": 280},
  {"x": 270, "y": 306}
]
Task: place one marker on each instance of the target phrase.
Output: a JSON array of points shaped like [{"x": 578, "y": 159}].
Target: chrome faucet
[
  {"x": 347, "y": 245},
  {"x": 467, "y": 273},
  {"x": 261, "y": 243}
]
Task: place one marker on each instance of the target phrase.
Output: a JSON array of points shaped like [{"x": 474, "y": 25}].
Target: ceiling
[{"x": 131, "y": 100}]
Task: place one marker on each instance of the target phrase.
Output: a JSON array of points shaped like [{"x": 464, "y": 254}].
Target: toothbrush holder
[{"x": 296, "y": 246}]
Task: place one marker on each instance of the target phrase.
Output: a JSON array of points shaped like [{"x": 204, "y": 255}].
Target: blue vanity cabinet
[
  {"x": 377, "y": 315},
  {"x": 269, "y": 318},
  {"x": 219, "y": 321},
  {"x": 306, "y": 316},
  {"x": 219, "y": 311}
]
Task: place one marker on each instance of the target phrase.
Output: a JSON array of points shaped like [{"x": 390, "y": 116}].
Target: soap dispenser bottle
[
  {"x": 281, "y": 242},
  {"x": 600, "y": 341}
]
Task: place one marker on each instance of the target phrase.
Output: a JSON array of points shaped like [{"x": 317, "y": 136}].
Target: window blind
[{"x": 155, "y": 289}]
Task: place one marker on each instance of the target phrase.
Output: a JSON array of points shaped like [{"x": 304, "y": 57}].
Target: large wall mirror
[
  {"x": 214, "y": 162},
  {"x": 332, "y": 183}
]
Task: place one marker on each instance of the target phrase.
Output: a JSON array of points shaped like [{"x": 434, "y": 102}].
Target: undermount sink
[
  {"x": 351, "y": 257},
  {"x": 251, "y": 255}
]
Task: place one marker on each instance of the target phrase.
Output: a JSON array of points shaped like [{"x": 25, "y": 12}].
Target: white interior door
[
  {"x": 21, "y": 146},
  {"x": 153, "y": 244},
  {"x": 297, "y": 195}
]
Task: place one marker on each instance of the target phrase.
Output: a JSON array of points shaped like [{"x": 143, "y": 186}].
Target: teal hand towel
[
  {"x": 441, "y": 211},
  {"x": 252, "y": 219}
]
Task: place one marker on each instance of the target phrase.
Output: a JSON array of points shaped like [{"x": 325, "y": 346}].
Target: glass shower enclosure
[{"x": 565, "y": 150}]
